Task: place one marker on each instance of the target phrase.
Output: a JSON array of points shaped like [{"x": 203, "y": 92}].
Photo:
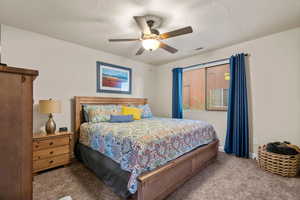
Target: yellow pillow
[{"x": 132, "y": 111}]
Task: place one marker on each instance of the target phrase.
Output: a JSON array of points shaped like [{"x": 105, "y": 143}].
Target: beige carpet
[{"x": 226, "y": 179}]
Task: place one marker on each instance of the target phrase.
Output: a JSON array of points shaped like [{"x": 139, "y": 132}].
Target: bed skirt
[{"x": 105, "y": 169}]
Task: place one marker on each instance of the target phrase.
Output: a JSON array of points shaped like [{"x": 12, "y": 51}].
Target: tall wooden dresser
[{"x": 16, "y": 102}]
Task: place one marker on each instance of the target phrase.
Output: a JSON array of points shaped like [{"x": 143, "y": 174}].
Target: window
[
  {"x": 194, "y": 89},
  {"x": 206, "y": 88}
]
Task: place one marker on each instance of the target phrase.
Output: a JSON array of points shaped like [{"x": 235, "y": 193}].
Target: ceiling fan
[{"x": 151, "y": 38}]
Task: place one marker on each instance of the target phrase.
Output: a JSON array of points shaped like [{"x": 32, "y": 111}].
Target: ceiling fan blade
[
  {"x": 140, "y": 51},
  {"x": 167, "y": 47},
  {"x": 177, "y": 32},
  {"x": 142, "y": 23},
  {"x": 122, "y": 40}
]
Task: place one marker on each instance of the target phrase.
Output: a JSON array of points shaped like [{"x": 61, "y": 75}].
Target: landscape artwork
[{"x": 113, "y": 78}]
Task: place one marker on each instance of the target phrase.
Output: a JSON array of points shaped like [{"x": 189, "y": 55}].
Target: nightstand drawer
[
  {"x": 48, "y": 143},
  {"x": 39, "y": 165},
  {"x": 46, "y": 153}
]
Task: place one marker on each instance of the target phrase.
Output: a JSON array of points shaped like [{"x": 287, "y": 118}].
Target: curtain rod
[{"x": 191, "y": 66}]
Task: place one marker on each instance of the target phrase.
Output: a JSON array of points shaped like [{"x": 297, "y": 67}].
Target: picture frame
[{"x": 113, "y": 78}]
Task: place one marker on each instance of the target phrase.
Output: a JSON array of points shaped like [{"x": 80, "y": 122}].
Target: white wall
[
  {"x": 66, "y": 70},
  {"x": 274, "y": 87}
]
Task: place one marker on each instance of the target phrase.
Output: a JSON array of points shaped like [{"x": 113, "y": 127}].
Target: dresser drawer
[
  {"x": 39, "y": 165},
  {"x": 46, "y": 153},
  {"x": 48, "y": 143}
]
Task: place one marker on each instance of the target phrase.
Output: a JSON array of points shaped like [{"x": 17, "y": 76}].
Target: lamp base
[{"x": 50, "y": 125}]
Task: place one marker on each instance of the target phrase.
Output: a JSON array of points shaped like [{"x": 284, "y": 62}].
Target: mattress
[{"x": 146, "y": 144}]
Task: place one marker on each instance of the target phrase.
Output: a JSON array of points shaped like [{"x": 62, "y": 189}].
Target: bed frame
[{"x": 159, "y": 183}]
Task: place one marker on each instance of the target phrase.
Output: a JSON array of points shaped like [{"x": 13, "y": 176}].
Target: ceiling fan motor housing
[
  {"x": 150, "y": 36},
  {"x": 153, "y": 30}
]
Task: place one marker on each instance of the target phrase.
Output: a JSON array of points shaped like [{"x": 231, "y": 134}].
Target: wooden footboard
[{"x": 158, "y": 184}]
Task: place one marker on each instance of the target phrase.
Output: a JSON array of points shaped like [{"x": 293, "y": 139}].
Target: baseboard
[
  {"x": 252, "y": 155},
  {"x": 221, "y": 148},
  {"x": 66, "y": 198}
]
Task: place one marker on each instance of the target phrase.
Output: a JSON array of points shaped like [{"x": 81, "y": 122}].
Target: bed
[{"x": 146, "y": 159}]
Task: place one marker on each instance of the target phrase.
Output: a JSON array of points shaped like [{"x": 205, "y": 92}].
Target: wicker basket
[{"x": 283, "y": 165}]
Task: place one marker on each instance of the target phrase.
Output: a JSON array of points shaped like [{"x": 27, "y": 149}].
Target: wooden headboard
[{"x": 80, "y": 101}]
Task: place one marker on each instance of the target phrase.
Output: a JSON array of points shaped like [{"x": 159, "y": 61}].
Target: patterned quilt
[{"x": 144, "y": 145}]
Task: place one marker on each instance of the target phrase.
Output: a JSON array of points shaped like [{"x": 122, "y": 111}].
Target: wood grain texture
[
  {"x": 48, "y": 163},
  {"x": 51, "y": 151},
  {"x": 167, "y": 47},
  {"x": 50, "y": 142},
  {"x": 21, "y": 71},
  {"x": 80, "y": 101},
  {"x": 177, "y": 32},
  {"x": 46, "y": 153},
  {"x": 26, "y": 135},
  {"x": 159, "y": 183},
  {"x": 16, "y": 102},
  {"x": 41, "y": 136}
]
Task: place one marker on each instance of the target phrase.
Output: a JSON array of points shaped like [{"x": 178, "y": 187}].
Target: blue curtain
[
  {"x": 177, "y": 93},
  {"x": 237, "y": 136}
]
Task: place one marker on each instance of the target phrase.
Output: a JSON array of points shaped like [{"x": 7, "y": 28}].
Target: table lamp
[{"x": 48, "y": 107}]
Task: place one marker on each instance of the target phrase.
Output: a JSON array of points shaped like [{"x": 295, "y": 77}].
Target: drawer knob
[
  {"x": 51, "y": 161},
  {"x": 51, "y": 143},
  {"x": 36, "y": 146},
  {"x": 51, "y": 152}
]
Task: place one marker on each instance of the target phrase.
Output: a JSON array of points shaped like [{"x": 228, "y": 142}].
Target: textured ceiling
[{"x": 216, "y": 23}]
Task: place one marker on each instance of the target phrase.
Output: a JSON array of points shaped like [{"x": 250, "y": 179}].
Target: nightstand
[{"x": 51, "y": 150}]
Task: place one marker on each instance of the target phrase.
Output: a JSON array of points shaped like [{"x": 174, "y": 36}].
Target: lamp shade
[{"x": 49, "y": 106}]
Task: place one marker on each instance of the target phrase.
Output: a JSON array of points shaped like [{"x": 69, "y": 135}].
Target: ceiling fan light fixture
[
  {"x": 150, "y": 44},
  {"x": 151, "y": 38}
]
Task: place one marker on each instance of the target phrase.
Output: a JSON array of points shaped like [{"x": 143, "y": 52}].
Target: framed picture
[{"x": 113, "y": 78}]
